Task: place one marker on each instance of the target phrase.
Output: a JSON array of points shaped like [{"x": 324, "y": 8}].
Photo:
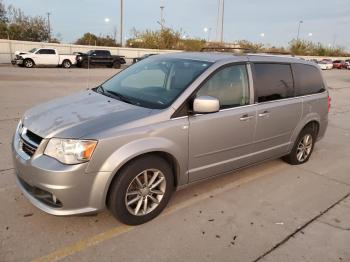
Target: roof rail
[{"x": 226, "y": 49}]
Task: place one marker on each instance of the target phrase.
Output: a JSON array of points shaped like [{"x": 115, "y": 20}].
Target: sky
[{"x": 325, "y": 21}]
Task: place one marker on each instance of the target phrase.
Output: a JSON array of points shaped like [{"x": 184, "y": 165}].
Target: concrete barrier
[{"x": 8, "y": 47}]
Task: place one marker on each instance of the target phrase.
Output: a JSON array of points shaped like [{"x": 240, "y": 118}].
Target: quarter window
[
  {"x": 229, "y": 85},
  {"x": 308, "y": 80},
  {"x": 273, "y": 82}
]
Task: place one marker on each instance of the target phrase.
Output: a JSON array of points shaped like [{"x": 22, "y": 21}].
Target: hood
[
  {"x": 80, "y": 114},
  {"x": 21, "y": 53}
]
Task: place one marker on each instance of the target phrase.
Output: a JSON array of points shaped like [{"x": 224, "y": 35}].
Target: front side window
[
  {"x": 273, "y": 82},
  {"x": 46, "y": 52},
  {"x": 229, "y": 85},
  {"x": 154, "y": 82}
]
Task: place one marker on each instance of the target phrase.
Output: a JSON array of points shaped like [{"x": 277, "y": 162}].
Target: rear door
[
  {"x": 278, "y": 111},
  {"x": 222, "y": 141}
]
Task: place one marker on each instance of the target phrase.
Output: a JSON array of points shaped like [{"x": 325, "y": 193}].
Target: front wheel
[
  {"x": 141, "y": 190},
  {"x": 303, "y": 147},
  {"x": 28, "y": 63}
]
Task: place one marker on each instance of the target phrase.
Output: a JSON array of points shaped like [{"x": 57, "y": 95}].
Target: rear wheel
[
  {"x": 303, "y": 147},
  {"x": 66, "y": 64},
  {"x": 28, "y": 63},
  {"x": 141, "y": 191}
]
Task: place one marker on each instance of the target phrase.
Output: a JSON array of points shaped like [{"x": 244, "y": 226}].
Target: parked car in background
[
  {"x": 43, "y": 57},
  {"x": 99, "y": 58},
  {"x": 137, "y": 59},
  {"x": 325, "y": 64},
  {"x": 163, "y": 123},
  {"x": 339, "y": 64},
  {"x": 347, "y": 62}
]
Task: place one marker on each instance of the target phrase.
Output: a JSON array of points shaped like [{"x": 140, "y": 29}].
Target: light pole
[
  {"x": 162, "y": 21},
  {"x": 299, "y": 24},
  {"x": 222, "y": 21},
  {"x": 121, "y": 22},
  {"x": 49, "y": 26},
  {"x": 207, "y": 31}
]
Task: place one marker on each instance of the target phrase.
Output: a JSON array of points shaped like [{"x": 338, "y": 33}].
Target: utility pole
[
  {"x": 162, "y": 16},
  {"x": 222, "y": 21},
  {"x": 49, "y": 26},
  {"x": 300, "y": 22},
  {"x": 121, "y": 22}
]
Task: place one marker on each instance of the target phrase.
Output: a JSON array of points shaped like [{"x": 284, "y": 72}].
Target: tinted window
[
  {"x": 308, "y": 80},
  {"x": 273, "y": 82},
  {"x": 229, "y": 85},
  {"x": 47, "y": 52},
  {"x": 102, "y": 53}
]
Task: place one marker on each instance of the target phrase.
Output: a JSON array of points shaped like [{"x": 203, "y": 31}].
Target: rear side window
[
  {"x": 308, "y": 80},
  {"x": 273, "y": 81}
]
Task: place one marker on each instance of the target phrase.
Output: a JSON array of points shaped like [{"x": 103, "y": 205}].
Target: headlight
[{"x": 69, "y": 151}]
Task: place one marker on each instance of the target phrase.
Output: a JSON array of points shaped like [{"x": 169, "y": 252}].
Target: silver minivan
[{"x": 163, "y": 123}]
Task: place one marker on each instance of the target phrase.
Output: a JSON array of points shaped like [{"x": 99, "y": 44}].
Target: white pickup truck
[{"x": 43, "y": 57}]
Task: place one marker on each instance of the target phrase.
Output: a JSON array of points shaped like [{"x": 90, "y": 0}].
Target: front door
[
  {"x": 46, "y": 57},
  {"x": 222, "y": 141}
]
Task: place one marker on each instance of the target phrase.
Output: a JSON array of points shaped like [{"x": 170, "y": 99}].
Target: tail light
[{"x": 329, "y": 103}]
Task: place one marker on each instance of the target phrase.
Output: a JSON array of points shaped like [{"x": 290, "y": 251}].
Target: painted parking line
[{"x": 119, "y": 230}]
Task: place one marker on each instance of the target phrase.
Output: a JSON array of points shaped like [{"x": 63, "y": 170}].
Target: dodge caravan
[{"x": 165, "y": 122}]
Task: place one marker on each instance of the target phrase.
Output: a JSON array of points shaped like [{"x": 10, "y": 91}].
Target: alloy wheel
[
  {"x": 145, "y": 192},
  {"x": 304, "y": 148}
]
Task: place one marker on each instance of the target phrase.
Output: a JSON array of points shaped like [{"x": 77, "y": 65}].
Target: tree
[
  {"x": 91, "y": 39},
  {"x": 3, "y": 13},
  {"x": 165, "y": 38}
]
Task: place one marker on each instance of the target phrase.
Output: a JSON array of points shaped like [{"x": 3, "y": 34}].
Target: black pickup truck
[{"x": 99, "y": 58}]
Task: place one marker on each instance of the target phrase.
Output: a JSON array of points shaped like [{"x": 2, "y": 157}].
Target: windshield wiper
[
  {"x": 114, "y": 94},
  {"x": 121, "y": 97}
]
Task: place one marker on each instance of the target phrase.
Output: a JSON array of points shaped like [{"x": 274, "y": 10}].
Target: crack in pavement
[
  {"x": 300, "y": 229},
  {"x": 332, "y": 225},
  {"x": 7, "y": 169},
  {"x": 322, "y": 175}
]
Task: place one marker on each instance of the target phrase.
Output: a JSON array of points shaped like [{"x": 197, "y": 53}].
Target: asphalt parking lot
[{"x": 270, "y": 212}]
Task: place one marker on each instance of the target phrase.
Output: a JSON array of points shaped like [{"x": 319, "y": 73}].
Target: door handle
[
  {"x": 246, "y": 117},
  {"x": 265, "y": 114}
]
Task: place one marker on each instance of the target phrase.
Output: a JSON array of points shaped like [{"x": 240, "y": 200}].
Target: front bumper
[
  {"x": 56, "y": 188},
  {"x": 17, "y": 61}
]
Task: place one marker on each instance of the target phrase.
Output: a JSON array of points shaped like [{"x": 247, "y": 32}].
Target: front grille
[
  {"x": 27, "y": 148},
  {"x": 29, "y": 141},
  {"x": 41, "y": 195}
]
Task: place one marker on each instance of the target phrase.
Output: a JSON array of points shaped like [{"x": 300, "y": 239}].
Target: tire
[
  {"x": 140, "y": 205},
  {"x": 117, "y": 65},
  {"x": 85, "y": 64},
  {"x": 303, "y": 147},
  {"x": 66, "y": 64},
  {"x": 28, "y": 63}
]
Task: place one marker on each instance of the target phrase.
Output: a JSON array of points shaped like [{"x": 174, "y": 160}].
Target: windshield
[
  {"x": 154, "y": 82},
  {"x": 32, "y": 50}
]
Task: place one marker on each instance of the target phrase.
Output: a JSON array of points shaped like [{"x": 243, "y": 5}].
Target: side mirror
[{"x": 206, "y": 105}]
